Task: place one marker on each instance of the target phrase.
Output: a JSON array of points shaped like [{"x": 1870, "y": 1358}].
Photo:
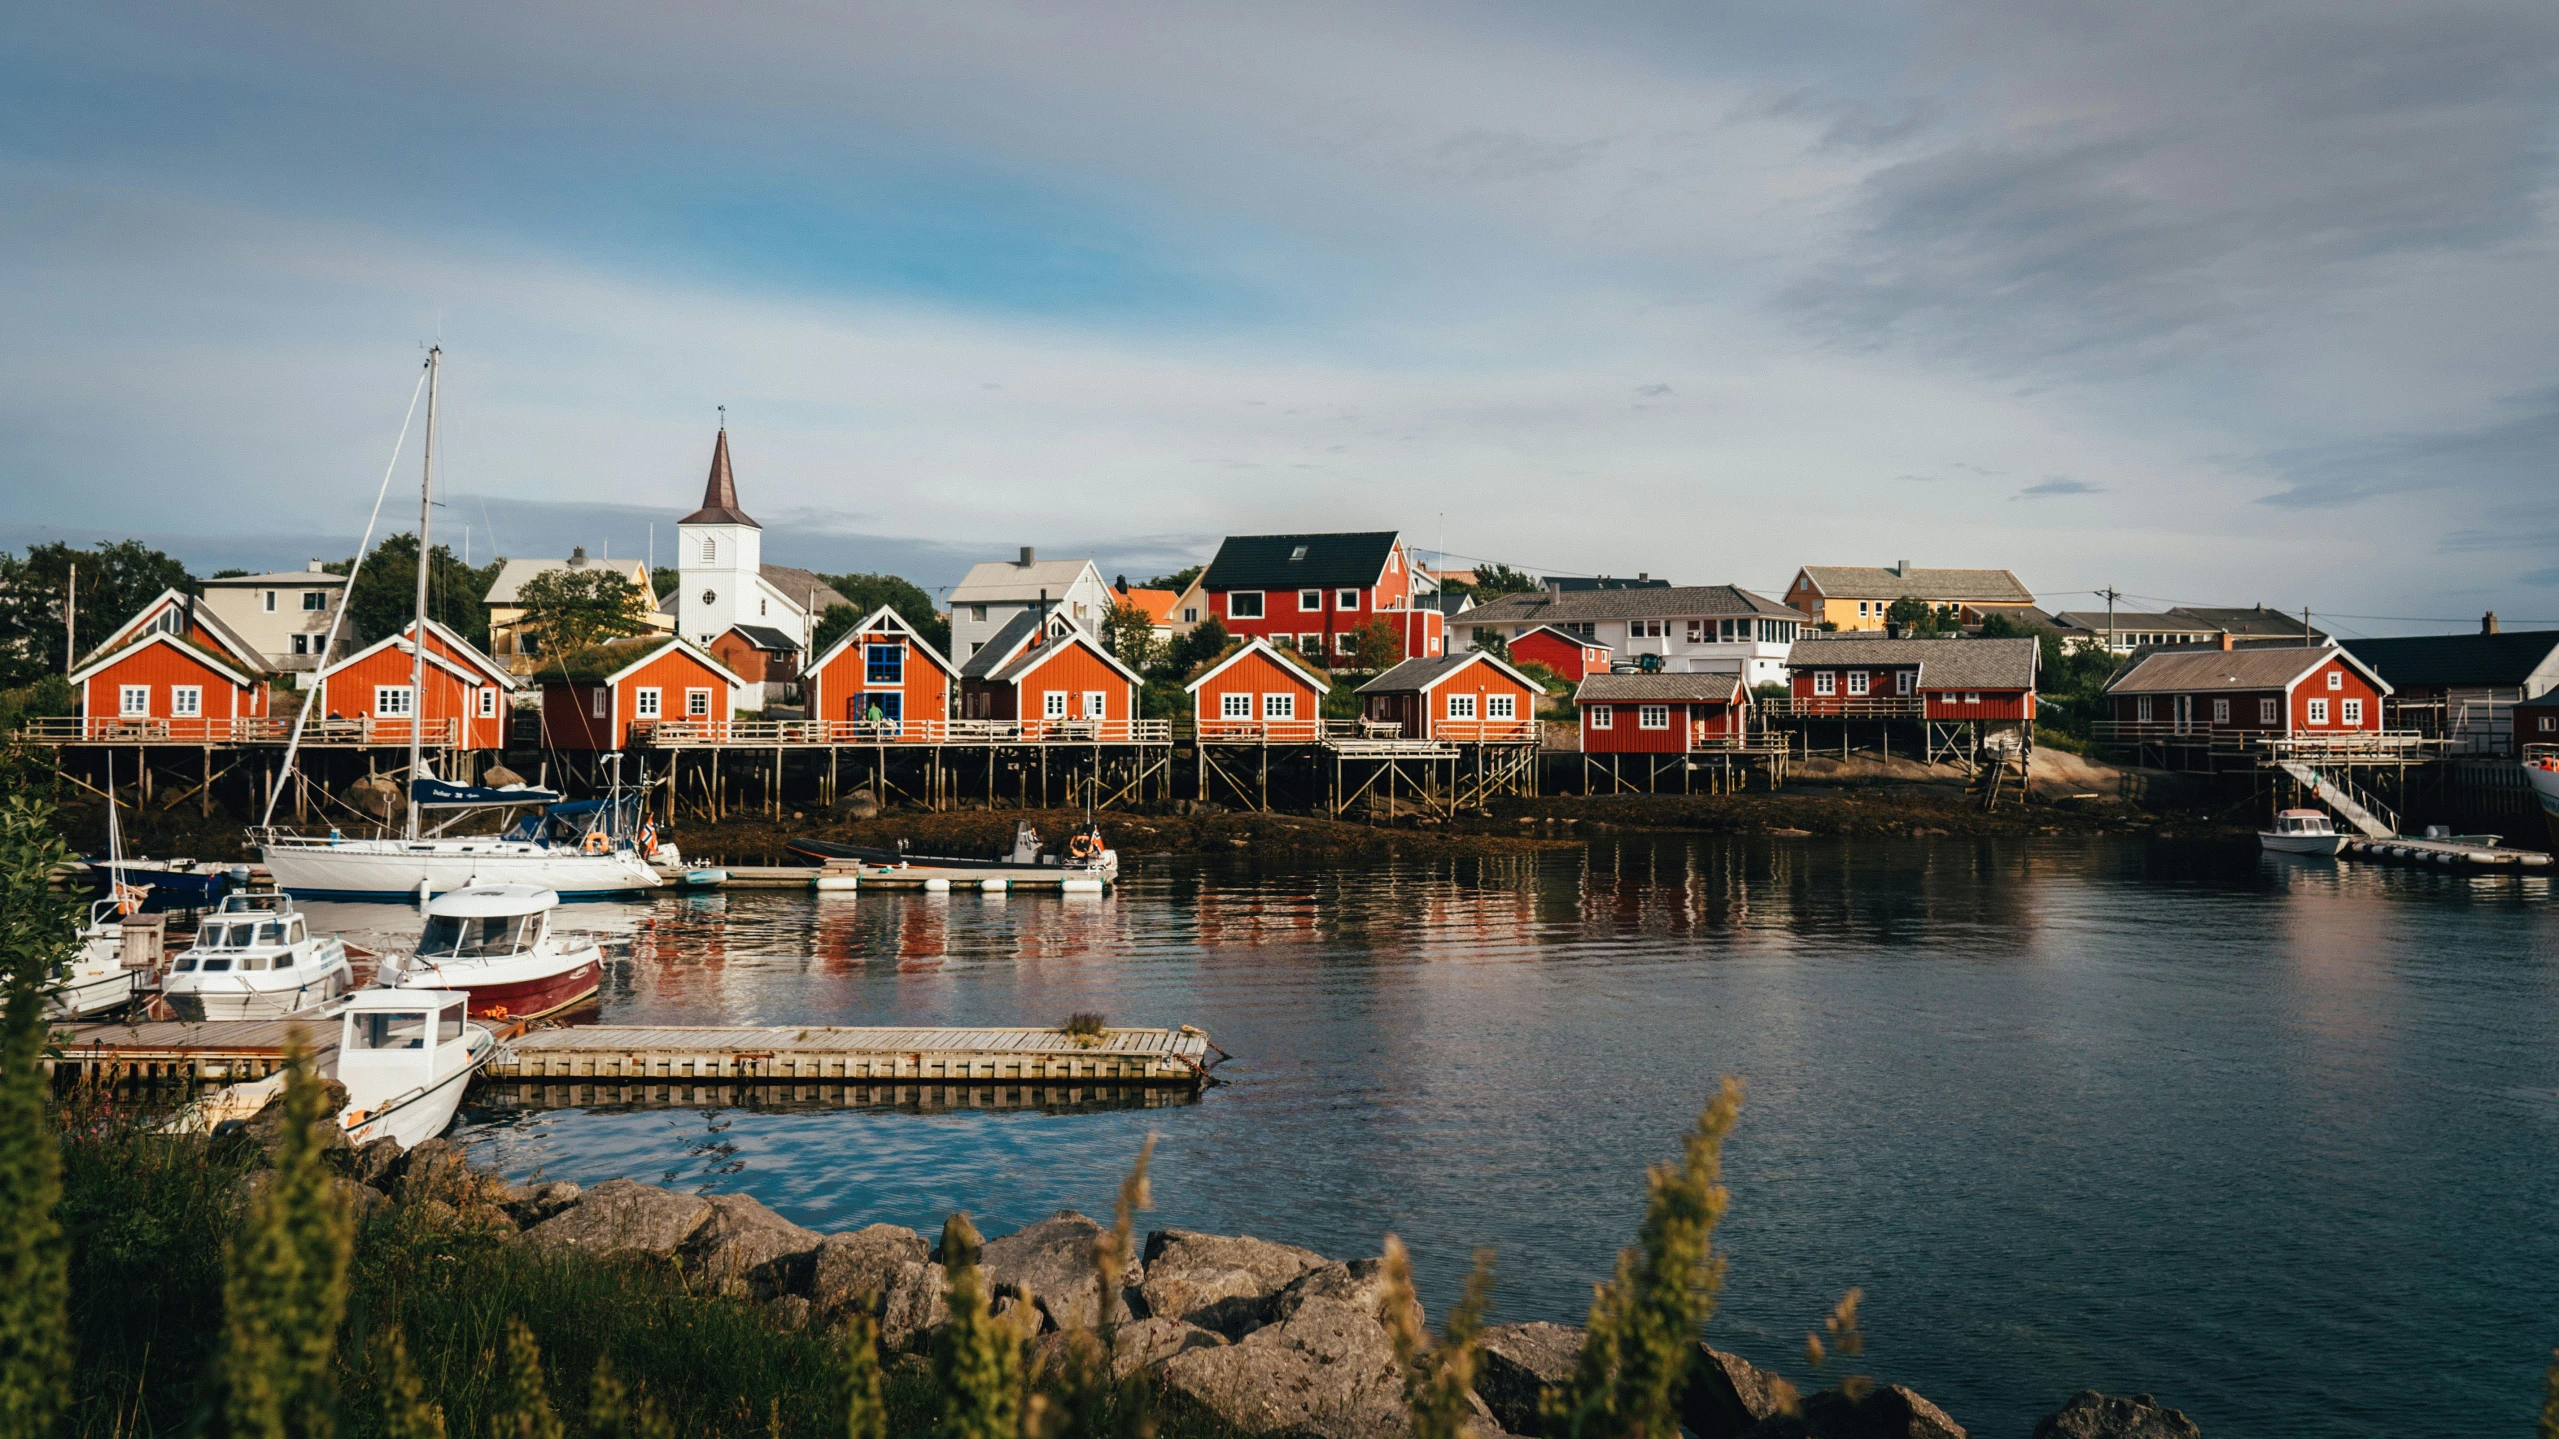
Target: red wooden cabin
[
  {"x": 881, "y": 667},
  {"x": 1312, "y": 591},
  {"x": 605, "y": 696},
  {"x": 1053, "y": 680},
  {"x": 468, "y": 704},
  {"x": 2285, "y": 689},
  {"x": 760, "y": 655},
  {"x": 1469, "y": 697},
  {"x": 1943, "y": 680},
  {"x": 161, "y": 686},
  {"x": 1258, "y": 692},
  {"x": 1565, "y": 653},
  {"x": 1662, "y": 713}
]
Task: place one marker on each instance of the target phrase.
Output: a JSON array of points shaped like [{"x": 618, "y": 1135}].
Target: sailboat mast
[{"x": 417, "y": 629}]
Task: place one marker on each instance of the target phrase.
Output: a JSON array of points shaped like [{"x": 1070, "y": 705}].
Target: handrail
[
  {"x": 251, "y": 729},
  {"x": 676, "y": 732},
  {"x": 1842, "y": 706}
]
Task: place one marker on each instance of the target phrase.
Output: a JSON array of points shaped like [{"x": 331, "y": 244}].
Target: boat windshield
[
  {"x": 240, "y": 936},
  {"x": 478, "y": 936},
  {"x": 403, "y": 1030}
]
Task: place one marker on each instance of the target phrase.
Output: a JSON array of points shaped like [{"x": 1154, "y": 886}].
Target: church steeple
[{"x": 719, "y": 497}]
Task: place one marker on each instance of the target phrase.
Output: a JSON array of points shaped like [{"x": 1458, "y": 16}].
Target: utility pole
[
  {"x": 71, "y": 621},
  {"x": 2305, "y": 626},
  {"x": 2112, "y": 594}
]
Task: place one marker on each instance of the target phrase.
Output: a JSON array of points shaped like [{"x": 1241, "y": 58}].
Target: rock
[
  {"x": 1327, "y": 1373},
  {"x": 1888, "y": 1412},
  {"x": 2091, "y": 1415},
  {"x": 543, "y": 1200},
  {"x": 853, "y": 1271},
  {"x": 1519, "y": 1363},
  {"x": 740, "y": 1237},
  {"x": 789, "y": 1313},
  {"x": 436, "y": 1169},
  {"x": 1728, "y": 1394},
  {"x": 375, "y": 1162},
  {"x": 1360, "y": 1281},
  {"x": 1146, "y": 1343},
  {"x": 622, "y": 1217},
  {"x": 488, "y": 1217},
  {"x": 366, "y": 1200},
  {"x": 1218, "y": 1281},
  {"x": 265, "y": 1129},
  {"x": 1052, "y": 1261},
  {"x": 916, "y": 1304}
]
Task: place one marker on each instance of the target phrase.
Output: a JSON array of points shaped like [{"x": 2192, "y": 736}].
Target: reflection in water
[{"x": 2252, "y": 1133}]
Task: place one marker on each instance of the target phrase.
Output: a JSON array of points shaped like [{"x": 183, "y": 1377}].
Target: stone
[
  {"x": 487, "y": 1217},
  {"x": 2091, "y": 1415},
  {"x": 265, "y": 1129},
  {"x": 365, "y": 1200},
  {"x": 915, "y": 1305},
  {"x": 620, "y": 1216},
  {"x": 1146, "y": 1343},
  {"x": 1518, "y": 1363},
  {"x": 1328, "y": 1372},
  {"x": 789, "y": 1313},
  {"x": 375, "y": 1162},
  {"x": 1887, "y": 1412},
  {"x": 854, "y": 1271},
  {"x": 541, "y": 1201},
  {"x": 1219, "y": 1281},
  {"x": 1728, "y": 1394},
  {"x": 435, "y": 1169},
  {"x": 740, "y": 1237},
  {"x": 1359, "y": 1281},
  {"x": 1052, "y": 1262}
]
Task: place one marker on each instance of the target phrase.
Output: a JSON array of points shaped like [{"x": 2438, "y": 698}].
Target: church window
[
  {"x": 710, "y": 597},
  {"x": 763, "y": 608},
  {"x": 710, "y": 550}
]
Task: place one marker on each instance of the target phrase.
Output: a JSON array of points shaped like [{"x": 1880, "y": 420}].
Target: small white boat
[
  {"x": 99, "y": 980},
  {"x": 496, "y": 942},
  {"x": 2302, "y": 831},
  {"x": 405, "y": 1056},
  {"x": 256, "y": 958}
]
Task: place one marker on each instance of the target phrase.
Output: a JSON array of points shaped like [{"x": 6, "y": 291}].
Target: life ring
[
  {"x": 596, "y": 843},
  {"x": 1083, "y": 846}
]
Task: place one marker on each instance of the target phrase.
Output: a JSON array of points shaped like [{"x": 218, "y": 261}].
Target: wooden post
[{"x": 204, "y": 799}]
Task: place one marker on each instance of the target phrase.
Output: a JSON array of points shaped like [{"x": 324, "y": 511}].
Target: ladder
[{"x": 2375, "y": 819}]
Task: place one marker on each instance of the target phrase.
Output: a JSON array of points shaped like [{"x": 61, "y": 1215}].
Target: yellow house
[
  {"x": 519, "y": 652},
  {"x": 1857, "y": 597}
]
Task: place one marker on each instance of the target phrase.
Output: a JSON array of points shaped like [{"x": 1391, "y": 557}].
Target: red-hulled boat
[{"x": 494, "y": 942}]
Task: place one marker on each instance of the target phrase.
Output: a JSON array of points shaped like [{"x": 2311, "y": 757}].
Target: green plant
[
  {"x": 1846, "y": 1339},
  {"x": 1084, "y": 1400},
  {"x": 1438, "y": 1379},
  {"x": 1375, "y": 646},
  {"x": 402, "y": 1410},
  {"x": 115, "y": 581},
  {"x": 865, "y": 1414},
  {"x": 525, "y": 1409},
  {"x": 978, "y": 1359},
  {"x": 284, "y": 1289},
  {"x": 568, "y": 610},
  {"x": 613, "y": 1412},
  {"x": 2550, "y": 1399},
  {"x": 1128, "y": 632},
  {"x": 36, "y": 935}
]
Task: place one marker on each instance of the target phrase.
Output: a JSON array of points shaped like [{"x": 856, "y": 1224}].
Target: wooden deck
[
  {"x": 221, "y": 1051},
  {"x": 910, "y": 1098},
  {"x": 914, "y": 1056}
]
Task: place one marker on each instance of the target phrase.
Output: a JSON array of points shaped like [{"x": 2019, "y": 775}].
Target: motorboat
[
  {"x": 1086, "y": 857},
  {"x": 2541, "y": 771},
  {"x": 495, "y": 941},
  {"x": 2302, "y": 831},
  {"x": 99, "y": 979},
  {"x": 405, "y": 1056},
  {"x": 256, "y": 958}
]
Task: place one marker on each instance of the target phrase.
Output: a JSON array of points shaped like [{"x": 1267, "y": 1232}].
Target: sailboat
[
  {"x": 595, "y": 858},
  {"x": 99, "y": 980}
]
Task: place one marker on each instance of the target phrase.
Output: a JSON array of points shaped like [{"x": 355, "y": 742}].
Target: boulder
[
  {"x": 789, "y": 1313},
  {"x": 1887, "y": 1412},
  {"x": 1519, "y": 1363},
  {"x": 1360, "y": 1281},
  {"x": 916, "y": 1305},
  {"x": 854, "y": 1271},
  {"x": 742, "y": 1238},
  {"x": 1327, "y": 1373},
  {"x": 1219, "y": 1281},
  {"x": 1052, "y": 1262},
  {"x": 1146, "y": 1343},
  {"x": 620, "y": 1216},
  {"x": 2091, "y": 1415},
  {"x": 541, "y": 1201},
  {"x": 375, "y": 1163},
  {"x": 365, "y": 1200},
  {"x": 436, "y": 1169},
  {"x": 1728, "y": 1394},
  {"x": 265, "y": 1129}
]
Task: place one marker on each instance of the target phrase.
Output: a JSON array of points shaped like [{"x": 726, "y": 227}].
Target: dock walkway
[
  {"x": 816, "y": 1052},
  {"x": 2456, "y": 851}
]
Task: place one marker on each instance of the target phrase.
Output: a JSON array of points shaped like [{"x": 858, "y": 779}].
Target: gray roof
[
  {"x": 765, "y": 637},
  {"x": 1416, "y": 675},
  {"x": 1004, "y": 582},
  {"x": 1878, "y": 582},
  {"x": 797, "y": 585},
  {"x": 2427, "y": 661},
  {"x": 983, "y": 664},
  {"x": 1943, "y": 664},
  {"x": 2252, "y": 620},
  {"x": 1030, "y": 658},
  {"x": 1664, "y": 688},
  {"x": 2139, "y": 622},
  {"x": 281, "y": 578},
  {"x": 513, "y": 573},
  {"x": 2260, "y": 667},
  {"x": 1579, "y": 606}
]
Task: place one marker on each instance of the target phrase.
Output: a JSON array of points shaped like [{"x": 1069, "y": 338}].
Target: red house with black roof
[
  {"x": 1311, "y": 591},
  {"x": 1044, "y": 674}
]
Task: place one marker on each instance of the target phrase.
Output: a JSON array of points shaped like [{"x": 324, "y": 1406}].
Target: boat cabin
[
  {"x": 487, "y": 921},
  {"x": 2303, "y": 822}
]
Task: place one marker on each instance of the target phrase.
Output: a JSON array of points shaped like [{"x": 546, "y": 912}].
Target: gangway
[{"x": 2351, "y": 804}]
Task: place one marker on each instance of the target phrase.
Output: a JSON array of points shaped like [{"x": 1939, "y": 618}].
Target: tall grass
[{"x": 37, "y": 929}]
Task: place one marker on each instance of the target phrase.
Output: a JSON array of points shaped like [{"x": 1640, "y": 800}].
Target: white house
[
  {"x": 1695, "y": 629},
  {"x": 285, "y": 615},
  {"x": 725, "y": 582},
  {"x": 997, "y": 590}
]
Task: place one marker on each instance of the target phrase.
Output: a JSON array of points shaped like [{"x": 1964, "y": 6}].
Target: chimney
[
  {"x": 577, "y": 558},
  {"x": 1902, "y": 568},
  {"x": 1641, "y": 575},
  {"x": 2488, "y": 623},
  {"x": 1028, "y": 555},
  {"x": 1892, "y": 629},
  {"x": 2226, "y": 642},
  {"x": 316, "y": 568}
]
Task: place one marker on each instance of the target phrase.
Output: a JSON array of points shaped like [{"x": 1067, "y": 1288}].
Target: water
[{"x": 2276, "y": 1139}]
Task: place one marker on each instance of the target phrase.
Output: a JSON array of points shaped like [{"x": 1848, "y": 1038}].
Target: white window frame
[
  {"x": 2319, "y": 711},
  {"x": 1309, "y": 644},
  {"x": 697, "y": 704},
  {"x": 1346, "y": 599},
  {"x": 1235, "y": 598},
  {"x": 648, "y": 702},
  {"x": 1501, "y": 707},
  {"x": 1904, "y": 681},
  {"x": 1310, "y": 602},
  {"x": 1461, "y": 706},
  {"x": 1097, "y": 704},
  {"x": 2336, "y": 679},
  {"x": 1858, "y": 683},
  {"x": 1972, "y": 697},
  {"x": 133, "y": 701},
  {"x": 599, "y": 702},
  {"x": 1825, "y": 682},
  {"x": 268, "y": 603},
  {"x": 186, "y": 701},
  {"x": 1652, "y": 717},
  {"x": 2221, "y": 711},
  {"x": 2350, "y": 713},
  {"x": 2270, "y": 712},
  {"x": 1279, "y": 706},
  {"x": 1343, "y": 643},
  {"x": 315, "y": 600},
  {"x": 488, "y": 702},
  {"x": 393, "y": 702},
  {"x": 2142, "y": 709},
  {"x": 1053, "y": 704},
  {"x": 1602, "y": 716},
  {"x": 1235, "y": 705}
]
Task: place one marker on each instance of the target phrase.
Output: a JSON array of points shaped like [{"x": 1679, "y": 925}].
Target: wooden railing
[
  {"x": 1840, "y": 706},
  {"x": 2300, "y": 744},
  {"x": 1509, "y": 731},
  {"x": 116, "y": 729},
  {"x": 674, "y": 732}
]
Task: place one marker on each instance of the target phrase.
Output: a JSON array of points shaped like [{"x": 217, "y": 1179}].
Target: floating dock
[
  {"x": 214, "y": 1051},
  {"x": 908, "y": 1098},
  {"x": 849, "y": 878},
  {"x": 818, "y": 1052},
  {"x": 2451, "y": 853}
]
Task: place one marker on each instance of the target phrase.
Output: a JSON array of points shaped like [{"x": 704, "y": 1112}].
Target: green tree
[
  {"x": 1178, "y": 581},
  {"x": 1129, "y": 634},
  {"x": 567, "y": 610},
  {"x": 382, "y": 598},
  {"x": 115, "y": 580},
  {"x": 37, "y": 930},
  {"x": 1490, "y": 641},
  {"x": 284, "y": 1286},
  {"x": 867, "y": 592},
  {"x": 1439, "y": 1379},
  {"x": 1495, "y": 580},
  {"x": 1206, "y": 641},
  {"x": 1375, "y": 646},
  {"x": 1920, "y": 620}
]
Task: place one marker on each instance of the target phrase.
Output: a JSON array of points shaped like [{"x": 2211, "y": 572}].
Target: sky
[{"x": 2207, "y": 302}]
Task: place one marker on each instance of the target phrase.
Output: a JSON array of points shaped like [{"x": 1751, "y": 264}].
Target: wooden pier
[
  {"x": 215, "y": 1051},
  {"x": 819, "y": 1052},
  {"x": 2456, "y": 852},
  {"x": 909, "y": 1098}
]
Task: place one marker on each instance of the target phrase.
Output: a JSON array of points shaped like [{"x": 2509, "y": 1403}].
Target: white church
[{"x": 726, "y": 584}]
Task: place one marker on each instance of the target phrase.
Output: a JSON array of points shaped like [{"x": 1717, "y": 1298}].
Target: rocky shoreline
[{"x": 1262, "y": 1337}]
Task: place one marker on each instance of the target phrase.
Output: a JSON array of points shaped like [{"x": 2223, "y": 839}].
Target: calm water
[{"x": 2278, "y": 1140}]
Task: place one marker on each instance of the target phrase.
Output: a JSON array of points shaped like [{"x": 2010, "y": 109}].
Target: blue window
[
  {"x": 884, "y": 664},
  {"x": 884, "y": 709}
]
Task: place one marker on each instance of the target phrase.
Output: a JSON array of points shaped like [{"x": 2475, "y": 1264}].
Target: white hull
[
  {"x": 2545, "y": 788},
  {"x": 80, "y": 997},
  {"x": 424, "y": 1114},
  {"x": 209, "y": 1005},
  {"x": 2329, "y": 844},
  {"x": 395, "y": 867}
]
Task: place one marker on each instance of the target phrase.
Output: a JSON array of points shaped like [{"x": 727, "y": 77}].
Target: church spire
[{"x": 719, "y": 497}]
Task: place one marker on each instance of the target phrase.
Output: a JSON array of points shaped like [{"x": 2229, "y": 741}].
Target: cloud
[
  {"x": 2057, "y": 486},
  {"x": 1654, "y": 392},
  {"x": 2512, "y": 455}
]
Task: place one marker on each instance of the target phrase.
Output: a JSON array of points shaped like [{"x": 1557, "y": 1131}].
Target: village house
[
  {"x": 1940, "y": 680},
  {"x": 1465, "y": 698},
  {"x": 880, "y": 679},
  {"x": 996, "y": 592},
  {"x": 1857, "y": 597},
  {"x": 285, "y": 615},
  {"x": 521, "y": 652},
  {"x": 1156, "y": 605},
  {"x": 172, "y": 671},
  {"x": 2131, "y": 631},
  {"x": 1689, "y": 629},
  {"x": 1310, "y": 592},
  {"x": 1257, "y": 691},
  {"x": 1562, "y": 651},
  {"x": 2266, "y": 689},
  {"x": 719, "y": 551},
  {"x": 765, "y": 658},
  {"x": 1053, "y": 679},
  {"x": 2464, "y": 690},
  {"x": 601, "y": 697},
  {"x": 469, "y": 699},
  {"x": 1662, "y": 713}
]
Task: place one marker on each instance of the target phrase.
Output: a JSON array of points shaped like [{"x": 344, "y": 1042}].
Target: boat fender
[{"x": 937, "y": 886}]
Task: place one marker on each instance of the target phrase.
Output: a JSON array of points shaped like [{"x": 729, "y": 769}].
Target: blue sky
[{"x": 2212, "y": 303}]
